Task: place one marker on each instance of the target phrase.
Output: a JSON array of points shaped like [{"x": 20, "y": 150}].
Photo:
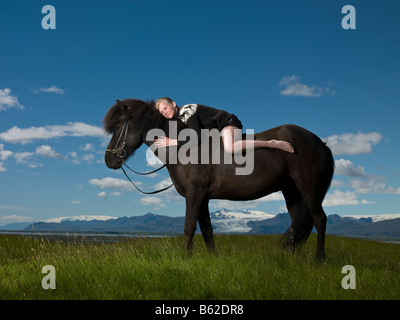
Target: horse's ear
[{"x": 122, "y": 104}]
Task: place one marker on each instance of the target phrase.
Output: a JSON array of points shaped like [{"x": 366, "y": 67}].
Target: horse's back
[{"x": 288, "y": 132}]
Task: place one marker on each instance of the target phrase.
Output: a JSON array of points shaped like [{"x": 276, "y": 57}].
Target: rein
[
  {"x": 121, "y": 153},
  {"x": 157, "y": 191}
]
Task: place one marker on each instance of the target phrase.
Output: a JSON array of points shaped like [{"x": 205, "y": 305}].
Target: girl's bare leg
[{"x": 233, "y": 142}]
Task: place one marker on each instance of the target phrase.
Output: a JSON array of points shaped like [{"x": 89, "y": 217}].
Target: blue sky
[{"x": 269, "y": 62}]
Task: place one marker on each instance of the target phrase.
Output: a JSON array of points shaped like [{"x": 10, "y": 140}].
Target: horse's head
[{"x": 125, "y": 122}]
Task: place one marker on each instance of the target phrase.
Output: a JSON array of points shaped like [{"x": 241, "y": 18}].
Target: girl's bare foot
[{"x": 282, "y": 145}]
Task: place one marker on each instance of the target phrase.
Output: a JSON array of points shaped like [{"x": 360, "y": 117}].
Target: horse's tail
[{"x": 300, "y": 229}]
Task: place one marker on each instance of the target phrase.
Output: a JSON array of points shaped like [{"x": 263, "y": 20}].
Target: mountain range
[{"x": 224, "y": 221}]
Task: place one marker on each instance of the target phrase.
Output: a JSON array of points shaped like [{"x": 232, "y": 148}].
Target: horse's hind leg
[
  {"x": 302, "y": 221},
  {"x": 292, "y": 199},
  {"x": 319, "y": 220},
  {"x": 206, "y": 227},
  {"x": 304, "y": 213}
]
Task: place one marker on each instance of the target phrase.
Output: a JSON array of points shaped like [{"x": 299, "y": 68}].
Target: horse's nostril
[
  {"x": 112, "y": 161},
  {"x": 116, "y": 165}
]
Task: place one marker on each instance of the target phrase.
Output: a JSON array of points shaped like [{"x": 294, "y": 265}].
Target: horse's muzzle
[{"x": 113, "y": 160}]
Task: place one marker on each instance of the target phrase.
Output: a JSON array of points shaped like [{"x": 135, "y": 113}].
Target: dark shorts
[{"x": 233, "y": 121}]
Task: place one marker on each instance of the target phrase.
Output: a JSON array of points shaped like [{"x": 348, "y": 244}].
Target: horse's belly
[{"x": 246, "y": 187}]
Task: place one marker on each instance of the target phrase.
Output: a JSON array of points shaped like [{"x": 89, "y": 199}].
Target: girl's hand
[{"x": 163, "y": 142}]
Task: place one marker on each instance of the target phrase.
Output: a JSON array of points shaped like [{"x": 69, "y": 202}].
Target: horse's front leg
[
  {"x": 194, "y": 200},
  {"x": 206, "y": 227}
]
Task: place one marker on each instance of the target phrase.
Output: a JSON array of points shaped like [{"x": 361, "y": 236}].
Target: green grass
[{"x": 246, "y": 267}]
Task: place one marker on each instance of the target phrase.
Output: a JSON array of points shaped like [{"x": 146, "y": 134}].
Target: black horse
[{"x": 303, "y": 177}]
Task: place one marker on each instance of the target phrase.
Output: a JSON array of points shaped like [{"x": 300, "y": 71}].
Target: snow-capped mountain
[
  {"x": 375, "y": 217},
  {"x": 223, "y": 221},
  {"x": 236, "y": 221},
  {"x": 79, "y": 218}
]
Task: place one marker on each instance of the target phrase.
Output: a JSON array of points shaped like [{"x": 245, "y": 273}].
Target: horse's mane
[{"x": 127, "y": 108}]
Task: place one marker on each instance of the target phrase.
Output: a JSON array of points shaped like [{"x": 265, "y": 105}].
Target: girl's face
[{"x": 167, "y": 109}]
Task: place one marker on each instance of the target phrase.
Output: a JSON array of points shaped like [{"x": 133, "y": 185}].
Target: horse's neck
[
  {"x": 157, "y": 121},
  {"x": 162, "y": 124},
  {"x": 154, "y": 121}
]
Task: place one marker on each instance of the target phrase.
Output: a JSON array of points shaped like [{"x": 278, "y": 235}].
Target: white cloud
[
  {"x": 23, "y": 157},
  {"x": 87, "y": 147},
  {"x": 7, "y": 101},
  {"x": 52, "y": 89},
  {"x": 24, "y": 136},
  {"x": 291, "y": 86},
  {"x": 76, "y": 201},
  {"x": 340, "y": 198},
  {"x": 353, "y": 143},
  {"x": 80, "y": 129},
  {"x": 227, "y": 204},
  {"x": 102, "y": 195},
  {"x": 47, "y": 151},
  {"x": 170, "y": 195},
  {"x": 152, "y": 201},
  {"x": 4, "y": 154},
  {"x": 74, "y": 157},
  {"x": 346, "y": 168},
  {"x": 276, "y": 196},
  {"x": 74, "y": 129},
  {"x": 14, "y": 219},
  {"x": 363, "y": 201},
  {"x": 113, "y": 183},
  {"x": 88, "y": 158},
  {"x": 152, "y": 160},
  {"x": 373, "y": 185},
  {"x": 163, "y": 184},
  {"x": 230, "y": 205},
  {"x": 336, "y": 184}
]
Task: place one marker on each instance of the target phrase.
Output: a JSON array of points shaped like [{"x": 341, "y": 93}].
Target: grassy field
[{"x": 246, "y": 267}]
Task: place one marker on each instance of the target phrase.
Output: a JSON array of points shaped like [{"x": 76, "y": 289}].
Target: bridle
[
  {"x": 121, "y": 154},
  {"x": 115, "y": 150}
]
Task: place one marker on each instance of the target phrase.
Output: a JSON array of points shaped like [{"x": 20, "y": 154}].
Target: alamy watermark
[
  {"x": 349, "y": 281},
  {"x": 49, "y": 281},
  {"x": 49, "y": 20},
  {"x": 349, "y": 20},
  {"x": 189, "y": 152}
]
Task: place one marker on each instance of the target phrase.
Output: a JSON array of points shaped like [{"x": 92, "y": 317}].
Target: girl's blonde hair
[{"x": 158, "y": 102}]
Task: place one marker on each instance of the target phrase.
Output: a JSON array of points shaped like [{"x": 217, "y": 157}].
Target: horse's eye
[{"x": 117, "y": 127}]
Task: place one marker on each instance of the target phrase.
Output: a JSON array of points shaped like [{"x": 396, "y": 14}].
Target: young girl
[{"x": 197, "y": 116}]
